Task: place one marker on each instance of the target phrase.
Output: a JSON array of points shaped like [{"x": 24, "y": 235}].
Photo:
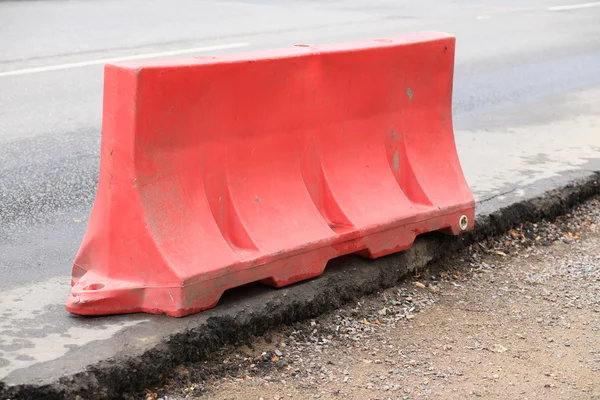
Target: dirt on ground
[{"x": 514, "y": 317}]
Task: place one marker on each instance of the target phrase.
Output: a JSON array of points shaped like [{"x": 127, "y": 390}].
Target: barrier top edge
[{"x": 297, "y": 50}]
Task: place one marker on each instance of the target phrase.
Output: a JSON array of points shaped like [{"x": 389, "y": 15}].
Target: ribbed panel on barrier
[{"x": 220, "y": 171}]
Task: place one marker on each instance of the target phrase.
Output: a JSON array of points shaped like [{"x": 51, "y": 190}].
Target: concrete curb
[{"x": 255, "y": 309}]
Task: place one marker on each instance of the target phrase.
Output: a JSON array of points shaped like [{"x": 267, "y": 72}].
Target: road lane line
[
  {"x": 574, "y": 6},
  {"x": 80, "y": 64}
]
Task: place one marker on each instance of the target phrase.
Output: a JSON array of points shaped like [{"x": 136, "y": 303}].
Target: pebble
[{"x": 362, "y": 330}]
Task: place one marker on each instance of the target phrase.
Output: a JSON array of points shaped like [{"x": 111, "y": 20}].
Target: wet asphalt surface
[{"x": 507, "y": 54}]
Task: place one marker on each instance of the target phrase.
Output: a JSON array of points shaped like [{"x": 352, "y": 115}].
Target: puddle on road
[{"x": 514, "y": 157}]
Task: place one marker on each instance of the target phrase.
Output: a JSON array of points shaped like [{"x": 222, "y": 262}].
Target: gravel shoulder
[{"x": 516, "y": 317}]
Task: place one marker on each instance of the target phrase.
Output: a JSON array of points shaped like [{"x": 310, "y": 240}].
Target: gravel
[{"x": 515, "y": 316}]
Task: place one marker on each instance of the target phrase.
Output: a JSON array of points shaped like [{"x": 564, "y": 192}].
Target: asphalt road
[
  {"x": 508, "y": 53},
  {"x": 526, "y": 74}
]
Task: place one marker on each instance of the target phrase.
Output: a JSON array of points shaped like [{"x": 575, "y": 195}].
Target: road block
[{"x": 220, "y": 171}]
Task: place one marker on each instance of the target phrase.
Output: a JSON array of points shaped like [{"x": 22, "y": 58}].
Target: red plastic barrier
[{"x": 221, "y": 171}]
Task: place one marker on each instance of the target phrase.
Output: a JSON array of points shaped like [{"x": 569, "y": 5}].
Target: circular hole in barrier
[
  {"x": 463, "y": 222},
  {"x": 94, "y": 286}
]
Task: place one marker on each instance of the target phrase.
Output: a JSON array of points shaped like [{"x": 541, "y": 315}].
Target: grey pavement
[{"x": 526, "y": 112}]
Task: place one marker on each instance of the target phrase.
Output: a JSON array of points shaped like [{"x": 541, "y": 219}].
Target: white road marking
[
  {"x": 574, "y": 6},
  {"x": 80, "y": 64}
]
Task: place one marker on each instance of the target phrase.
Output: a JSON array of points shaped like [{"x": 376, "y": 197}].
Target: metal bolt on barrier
[{"x": 464, "y": 223}]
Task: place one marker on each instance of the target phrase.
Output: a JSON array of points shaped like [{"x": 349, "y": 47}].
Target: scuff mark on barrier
[{"x": 396, "y": 162}]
